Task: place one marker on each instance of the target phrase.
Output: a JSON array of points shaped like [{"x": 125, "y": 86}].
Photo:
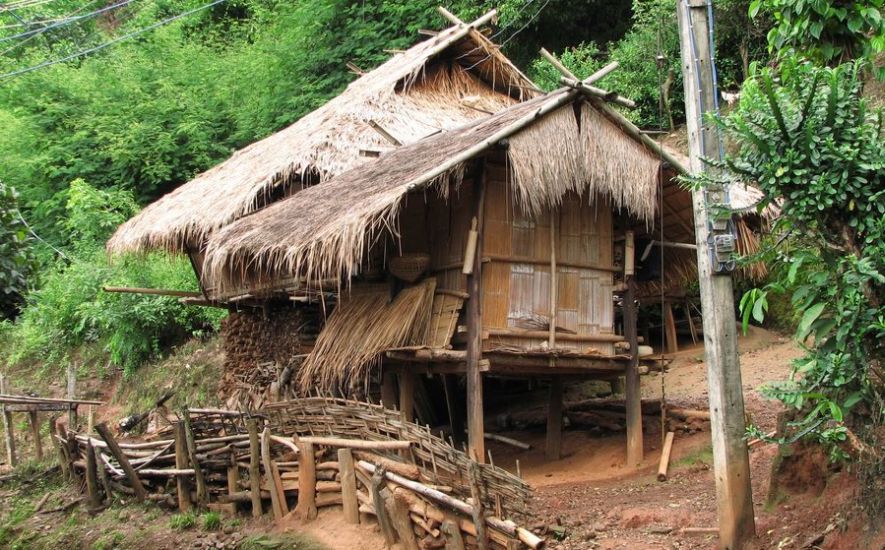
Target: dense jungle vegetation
[{"x": 87, "y": 141}]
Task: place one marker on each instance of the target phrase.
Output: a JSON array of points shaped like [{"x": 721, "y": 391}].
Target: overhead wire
[
  {"x": 46, "y": 29},
  {"x": 67, "y": 20},
  {"x": 110, "y": 42}
]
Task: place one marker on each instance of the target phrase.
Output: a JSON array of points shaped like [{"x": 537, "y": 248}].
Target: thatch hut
[{"x": 499, "y": 247}]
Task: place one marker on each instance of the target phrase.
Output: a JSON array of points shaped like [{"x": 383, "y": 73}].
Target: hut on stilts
[{"x": 443, "y": 218}]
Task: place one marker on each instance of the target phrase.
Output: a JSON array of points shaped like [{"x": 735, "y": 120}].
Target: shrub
[
  {"x": 181, "y": 522},
  {"x": 211, "y": 521}
]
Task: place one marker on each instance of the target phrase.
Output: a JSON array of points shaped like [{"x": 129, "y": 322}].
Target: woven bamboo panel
[
  {"x": 444, "y": 319},
  {"x": 440, "y": 463}
]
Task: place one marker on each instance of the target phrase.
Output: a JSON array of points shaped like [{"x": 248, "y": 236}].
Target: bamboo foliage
[{"x": 441, "y": 83}]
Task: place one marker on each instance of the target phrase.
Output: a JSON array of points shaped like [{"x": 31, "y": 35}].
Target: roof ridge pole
[
  {"x": 570, "y": 79},
  {"x": 731, "y": 462}
]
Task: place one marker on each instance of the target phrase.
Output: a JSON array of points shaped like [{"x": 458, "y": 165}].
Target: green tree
[
  {"x": 809, "y": 141},
  {"x": 15, "y": 257}
]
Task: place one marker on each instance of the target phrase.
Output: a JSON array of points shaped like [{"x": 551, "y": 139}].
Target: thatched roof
[
  {"x": 442, "y": 83},
  {"x": 324, "y": 231}
]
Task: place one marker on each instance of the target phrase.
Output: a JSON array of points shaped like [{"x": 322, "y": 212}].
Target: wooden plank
[
  {"x": 475, "y": 428},
  {"x": 8, "y": 430},
  {"x": 728, "y": 425},
  {"x": 349, "y": 499},
  {"x": 254, "y": 471},
  {"x": 117, "y": 452},
  {"x": 633, "y": 391},
  {"x": 307, "y": 481},
  {"x": 554, "y": 420}
]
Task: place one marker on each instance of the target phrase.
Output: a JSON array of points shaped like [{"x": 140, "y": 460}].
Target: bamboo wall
[{"x": 517, "y": 261}]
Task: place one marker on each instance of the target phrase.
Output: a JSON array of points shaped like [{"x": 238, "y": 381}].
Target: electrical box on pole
[{"x": 716, "y": 247}]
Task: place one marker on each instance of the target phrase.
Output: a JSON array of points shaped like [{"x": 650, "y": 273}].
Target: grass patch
[
  {"x": 180, "y": 522},
  {"x": 211, "y": 521},
  {"x": 703, "y": 455}
]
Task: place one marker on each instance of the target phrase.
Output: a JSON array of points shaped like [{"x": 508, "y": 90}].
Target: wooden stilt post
[
  {"x": 275, "y": 495},
  {"x": 475, "y": 427},
  {"x": 554, "y": 419},
  {"x": 35, "y": 432},
  {"x": 182, "y": 483},
  {"x": 482, "y": 532},
  {"x": 233, "y": 479},
  {"x": 8, "y": 433},
  {"x": 388, "y": 390},
  {"x": 407, "y": 395},
  {"x": 731, "y": 461},
  {"x": 631, "y": 378},
  {"x": 254, "y": 472}
]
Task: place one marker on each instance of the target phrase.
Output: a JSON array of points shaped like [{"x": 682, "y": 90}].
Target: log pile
[
  {"x": 421, "y": 490},
  {"x": 263, "y": 351}
]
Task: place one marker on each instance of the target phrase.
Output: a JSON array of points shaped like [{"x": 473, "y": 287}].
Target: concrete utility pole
[{"x": 715, "y": 244}]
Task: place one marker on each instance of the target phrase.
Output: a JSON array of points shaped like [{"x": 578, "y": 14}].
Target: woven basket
[{"x": 409, "y": 267}]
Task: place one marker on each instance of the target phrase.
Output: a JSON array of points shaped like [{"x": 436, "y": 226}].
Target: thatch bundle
[
  {"x": 439, "y": 84},
  {"x": 364, "y": 324}
]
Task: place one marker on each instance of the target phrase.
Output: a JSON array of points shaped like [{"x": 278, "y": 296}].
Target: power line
[
  {"x": 46, "y": 29},
  {"x": 67, "y": 20},
  {"x": 110, "y": 42}
]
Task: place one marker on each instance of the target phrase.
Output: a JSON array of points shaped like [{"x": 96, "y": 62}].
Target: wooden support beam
[
  {"x": 117, "y": 452},
  {"x": 349, "y": 499},
  {"x": 664, "y": 464},
  {"x": 633, "y": 390},
  {"x": 182, "y": 483},
  {"x": 233, "y": 477},
  {"x": 551, "y": 339},
  {"x": 8, "y": 430},
  {"x": 384, "y": 133},
  {"x": 103, "y": 475},
  {"x": 407, "y": 395},
  {"x": 479, "y": 519},
  {"x": 449, "y": 16},
  {"x": 254, "y": 471},
  {"x": 475, "y": 428},
  {"x": 554, "y": 420}
]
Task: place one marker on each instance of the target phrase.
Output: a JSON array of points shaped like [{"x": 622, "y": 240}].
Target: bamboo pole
[
  {"x": 117, "y": 452},
  {"x": 355, "y": 443}
]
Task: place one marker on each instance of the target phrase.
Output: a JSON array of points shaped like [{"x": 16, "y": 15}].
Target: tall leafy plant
[
  {"x": 15, "y": 257},
  {"x": 808, "y": 139}
]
